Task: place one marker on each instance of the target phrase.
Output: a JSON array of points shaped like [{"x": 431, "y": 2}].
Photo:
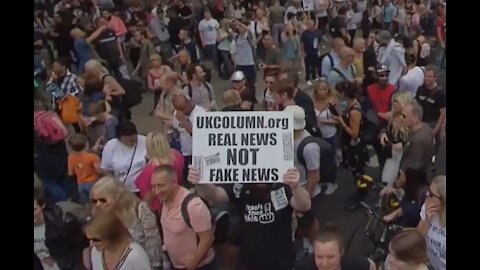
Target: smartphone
[{"x": 333, "y": 109}]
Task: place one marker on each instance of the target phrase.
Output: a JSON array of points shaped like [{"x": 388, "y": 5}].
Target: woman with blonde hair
[
  {"x": 110, "y": 86},
  {"x": 154, "y": 75},
  {"x": 158, "y": 153},
  {"x": 112, "y": 245},
  {"x": 324, "y": 102},
  {"x": 408, "y": 251},
  {"x": 433, "y": 222},
  {"x": 109, "y": 196},
  {"x": 394, "y": 136}
]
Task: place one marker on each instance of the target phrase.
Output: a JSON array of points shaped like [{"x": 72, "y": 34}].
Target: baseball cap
[
  {"x": 382, "y": 69},
  {"x": 298, "y": 116},
  {"x": 237, "y": 76}
]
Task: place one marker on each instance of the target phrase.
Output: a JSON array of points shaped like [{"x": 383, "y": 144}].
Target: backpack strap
[
  {"x": 209, "y": 90},
  {"x": 340, "y": 73},
  {"x": 184, "y": 209},
  {"x": 352, "y": 69},
  {"x": 190, "y": 90},
  {"x": 330, "y": 57},
  {"x": 301, "y": 146}
]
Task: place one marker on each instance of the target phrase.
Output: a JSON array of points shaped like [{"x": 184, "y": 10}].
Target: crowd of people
[{"x": 135, "y": 199}]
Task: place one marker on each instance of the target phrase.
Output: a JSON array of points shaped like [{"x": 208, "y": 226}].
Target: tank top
[{"x": 155, "y": 78}]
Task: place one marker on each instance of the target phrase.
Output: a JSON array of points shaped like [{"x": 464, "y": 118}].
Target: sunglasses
[
  {"x": 96, "y": 240},
  {"x": 432, "y": 195},
  {"x": 233, "y": 81},
  {"x": 102, "y": 200}
]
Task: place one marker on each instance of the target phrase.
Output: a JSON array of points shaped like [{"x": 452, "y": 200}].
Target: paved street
[{"x": 331, "y": 207}]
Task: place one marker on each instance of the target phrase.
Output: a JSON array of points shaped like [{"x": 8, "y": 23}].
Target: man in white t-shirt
[
  {"x": 183, "y": 117},
  {"x": 208, "y": 30},
  {"x": 414, "y": 78},
  {"x": 320, "y": 8},
  {"x": 125, "y": 156},
  {"x": 310, "y": 172}
]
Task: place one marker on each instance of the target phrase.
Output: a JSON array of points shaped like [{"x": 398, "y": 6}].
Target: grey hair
[{"x": 441, "y": 183}]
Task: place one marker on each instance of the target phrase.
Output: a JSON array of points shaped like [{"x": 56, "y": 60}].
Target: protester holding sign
[{"x": 267, "y": 211}]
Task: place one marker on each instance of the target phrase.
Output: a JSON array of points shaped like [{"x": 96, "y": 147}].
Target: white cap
[
  {"x": 298, "y": 116},
  {"x": 237, "y": 76}
]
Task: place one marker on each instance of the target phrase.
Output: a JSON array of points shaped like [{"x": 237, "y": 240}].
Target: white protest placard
[
  {"x": 242, "y": 147},
  {"x": 307, "y": 5}
]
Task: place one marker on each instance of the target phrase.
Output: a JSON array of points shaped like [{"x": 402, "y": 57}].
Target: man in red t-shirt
[{"x": 380, "y": 93}]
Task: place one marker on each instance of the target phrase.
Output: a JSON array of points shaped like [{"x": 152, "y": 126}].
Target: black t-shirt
[
  {"x": 335, "y": 26},
  {"x": 107, "y": 47},
  {"x": 184, "y": 11},
  {"x": 192, "y": 49},
  {"x": 174, "y": 27},
  {"x": 348, "y": 262},
  {"x": 233, "y": 108},
  {"x": 266, "y": 233},
  {"x": 52, "y": 159},
  {"x": 431, "y": 101},
  {"x": 64, "y": 42},
  {"x": 248, "y": 95}
]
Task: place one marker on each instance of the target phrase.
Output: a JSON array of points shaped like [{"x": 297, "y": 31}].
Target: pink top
[
  {"x": 415, "y": 19},
  {"x": 143, "y": 181},
  {"x": 179, "y": 240},
  {"x": 117, "y": 25}
]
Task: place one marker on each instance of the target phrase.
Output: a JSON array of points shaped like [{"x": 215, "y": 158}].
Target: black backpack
[
  {"x": 133, "y": 92},
  {"x": 220, "y": 218},
  {"x": 328, "y": 166}
]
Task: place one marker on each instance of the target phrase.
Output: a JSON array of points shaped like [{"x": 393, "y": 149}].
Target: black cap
[{"x": 382, "y": 69}]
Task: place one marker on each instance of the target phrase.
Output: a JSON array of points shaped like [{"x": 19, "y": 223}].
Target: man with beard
[
  {"x": 380, "y": 95},
  {"x": 266, "y": 234},
  {"x": 392, "y": 55}
]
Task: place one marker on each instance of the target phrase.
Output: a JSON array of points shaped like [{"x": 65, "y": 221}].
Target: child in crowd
[{"x": 82, "y": 165}]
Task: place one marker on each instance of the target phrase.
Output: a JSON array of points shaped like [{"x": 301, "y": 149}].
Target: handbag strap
[{"x": 131, "y": 162}]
